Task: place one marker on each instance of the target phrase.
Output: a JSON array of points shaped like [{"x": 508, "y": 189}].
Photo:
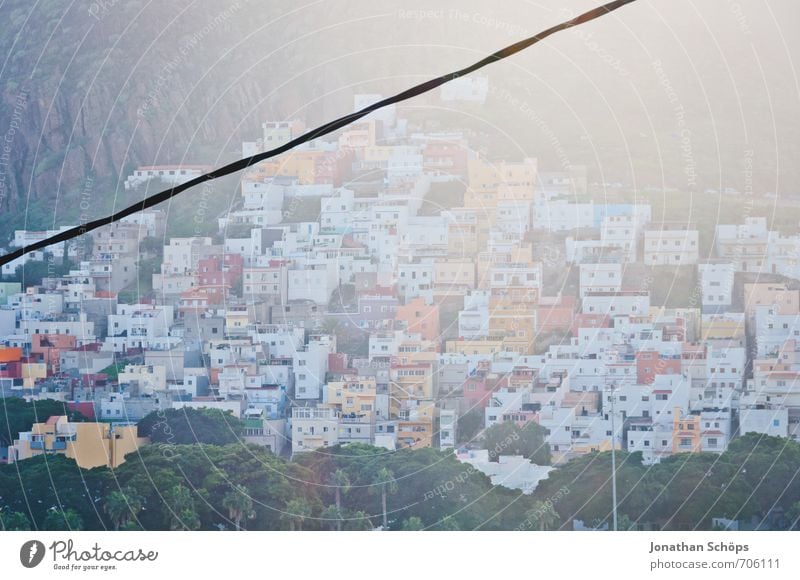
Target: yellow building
[
  {"x": 515, "y": 326},
  {"x": 89, "y": 444},
  {"x": 729, "y": 328},
  {"x": 482, "y": 346},
  {"x": 685, "y": 432},
  {"x": 502, "y": 255},
  {"x": 355, "y": 397},
  {"x": 454, "y": 275},
  {"x": 301, "y": 164},
  {"x": 409, "y": 382},
  {"x": 413, "y": 350},
  {"x": 466, "y": 231},
  {"x": 493, "y": 182},
  {"x": 415, "y": 424},
  {"x": 31, "y": 372},
  {"x": 236, "y": 320}
]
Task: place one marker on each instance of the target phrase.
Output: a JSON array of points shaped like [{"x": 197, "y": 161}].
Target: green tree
[
  {"x": 182, "y": 514},
  {"x": 542, "y": 516},
  {"x": 14, "y": 521},
  {"x": 66, "y": 520},
  {"x": 413, "y": 524},
  {"x": 341, "y": 485},
  {"x": 384, "y": 483},
  {"x": 152, "y": 246},
  {"x": 447, "y": 524},
  {"x": 188, "y": 425},
  {"x": 470, "y": 424},
  {"x": 358, "y": 521},
  {"x": 297, "y": 511},
  {"x": 793, "y": 515},
  {"x": 624, "y": 523},
  {"x": 123, "y": 505},
  {"x": 510, "y": 439},
  {"x": 333, "y": 515},
  {"x": 239, "y": 505}
]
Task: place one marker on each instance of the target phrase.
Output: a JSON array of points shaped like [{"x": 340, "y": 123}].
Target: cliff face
[{"x": 90, "y": 93}]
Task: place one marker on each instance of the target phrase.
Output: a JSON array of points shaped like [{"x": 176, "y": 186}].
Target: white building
[
  {"x": 169, "y": 174},
  {"x": 716, "y": 282},
  {"x": 630, "y": 303},
  {"x": 313, "y": 279},
  {"x": 313, "y": 428},
  {"x": 676, "y": 247},
  {"x": 138, "y": 326},
  {"x": 600, "y": 277},
  {"x": 310, "y": 365}
]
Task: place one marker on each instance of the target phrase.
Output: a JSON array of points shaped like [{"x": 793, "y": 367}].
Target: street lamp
[{"x": 612, "y": 399}]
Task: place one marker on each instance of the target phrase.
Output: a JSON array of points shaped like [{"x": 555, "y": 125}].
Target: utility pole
[{"x": 613, "y": 460}]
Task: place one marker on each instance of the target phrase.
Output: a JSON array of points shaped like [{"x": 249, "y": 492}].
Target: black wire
[{"x": 329, "y": 127}]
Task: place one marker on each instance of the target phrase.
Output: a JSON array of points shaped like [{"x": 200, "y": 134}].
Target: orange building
[
  {"x": 420, "y": 318},
  {"x": 47, "y": 349},
  {"x": 10, "y": 354}
]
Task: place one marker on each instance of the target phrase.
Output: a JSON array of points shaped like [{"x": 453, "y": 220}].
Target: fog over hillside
[{"x": 685, "y": 94}]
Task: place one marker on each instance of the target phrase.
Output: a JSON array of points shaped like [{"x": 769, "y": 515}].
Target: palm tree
[
  {"x": 122, "y": 505},
  {"x": 447, "y": 524},
  {"x": 358, "y": 521},
  {"x": 14, "y": 521},
  {"x": 183, "y": 515},
  {"x": 297, "y": 510},
  {"x": 385, "y": 482},
  {"x": 341, "y": 484},
  {"x": 413, "y": 524},
  {"x": 60, "y": 519},
  {"x": 333, "y": 515},
  {"x": 793, "y": 515},
  {"x": 239, "y": 505},
  {"x": 544, "y": 514},
  {"x": 625, "y": 523}
]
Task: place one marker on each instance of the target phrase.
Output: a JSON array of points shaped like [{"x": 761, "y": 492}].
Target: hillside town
[{"x": 396, "y": 287}]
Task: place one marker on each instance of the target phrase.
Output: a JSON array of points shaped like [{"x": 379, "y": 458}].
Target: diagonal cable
[{"x": 320, "y": 131}]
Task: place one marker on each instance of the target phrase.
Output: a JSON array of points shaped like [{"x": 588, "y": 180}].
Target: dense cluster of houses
[{"x": 387, "y": 317}]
